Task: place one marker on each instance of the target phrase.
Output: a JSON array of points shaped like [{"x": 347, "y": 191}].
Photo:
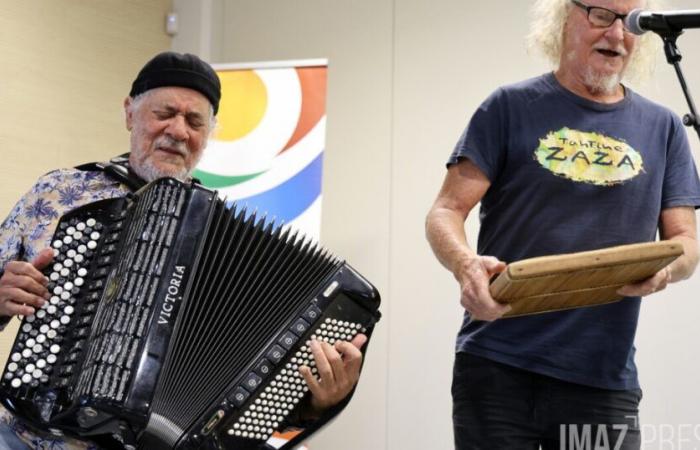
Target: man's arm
[
  {"x": 676, "y": 224},
  {"x": 464, "y": 186}
]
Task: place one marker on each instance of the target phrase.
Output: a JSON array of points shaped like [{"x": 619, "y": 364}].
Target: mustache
[{"x": 171, "y": 144}]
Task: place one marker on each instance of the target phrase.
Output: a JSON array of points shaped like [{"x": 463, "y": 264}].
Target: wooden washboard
[{"x": 573, "y": 280}]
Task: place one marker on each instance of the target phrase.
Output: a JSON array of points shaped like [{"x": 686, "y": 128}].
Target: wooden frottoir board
[{"x": 556, "y": 282}]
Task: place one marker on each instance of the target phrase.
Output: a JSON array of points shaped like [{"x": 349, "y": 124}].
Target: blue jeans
[
  {"x": 496, "y": 406},
  {"x": 9, "y": 440}
]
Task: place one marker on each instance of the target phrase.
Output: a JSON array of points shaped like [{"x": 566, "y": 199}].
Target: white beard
[
  {"x": 150, "y": 172},
  {"x": 600, "y": 83}
]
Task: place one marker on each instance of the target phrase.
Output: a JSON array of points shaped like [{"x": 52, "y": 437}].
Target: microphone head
[{"x": 632, "y": 22}]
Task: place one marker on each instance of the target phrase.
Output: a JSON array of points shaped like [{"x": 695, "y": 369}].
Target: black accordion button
[
  {"x": 238, "y": 397},
  {"x": 252, "y": 381},
  {"x": 264, "y": 368},
  {"x": 288, "y": 340},
  {"x": 312, "y": 314},
  {"x": 275, "y": 354},
  {"x": 300, "y": 327}
]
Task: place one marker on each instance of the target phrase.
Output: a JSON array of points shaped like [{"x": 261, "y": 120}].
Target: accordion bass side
[{"x": 177, "y": 321}]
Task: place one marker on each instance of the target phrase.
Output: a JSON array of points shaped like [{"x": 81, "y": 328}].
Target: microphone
[{"x": 662, "y": 22}]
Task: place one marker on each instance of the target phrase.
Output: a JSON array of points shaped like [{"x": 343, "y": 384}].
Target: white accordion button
[
  {"x": 92, "y": 245},
  {"x": 57, "y": 244},
  {"x": 80, "y": 226},
  {"x": 91, "y": 222}
]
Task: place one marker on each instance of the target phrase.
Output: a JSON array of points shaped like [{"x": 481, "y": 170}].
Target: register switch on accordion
[{"x": 178, "y": 321}]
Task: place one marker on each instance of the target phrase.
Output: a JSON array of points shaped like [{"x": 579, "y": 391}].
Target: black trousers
[{"x": 496, "y": 406}]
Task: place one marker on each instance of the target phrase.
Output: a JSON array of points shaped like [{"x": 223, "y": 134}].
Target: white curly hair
[{"x": 547, "y": 32}]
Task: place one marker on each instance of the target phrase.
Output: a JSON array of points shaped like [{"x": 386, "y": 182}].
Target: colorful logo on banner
[{"x": 267, "y": 151}]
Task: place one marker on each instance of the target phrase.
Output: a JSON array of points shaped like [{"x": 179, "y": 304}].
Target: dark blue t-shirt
[{"x": 567, "y": 175}]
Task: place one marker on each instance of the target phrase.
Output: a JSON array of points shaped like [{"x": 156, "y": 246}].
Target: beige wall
[
  {"x": 66, "y": 67},
  {"x": 404, "y": 77}
]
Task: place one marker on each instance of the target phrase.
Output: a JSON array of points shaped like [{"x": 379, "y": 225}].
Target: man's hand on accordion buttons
[
  {"x": 473, "y": 275},
  {"x": 23, "y": 286},
  {"x": 338, "y": 371}
]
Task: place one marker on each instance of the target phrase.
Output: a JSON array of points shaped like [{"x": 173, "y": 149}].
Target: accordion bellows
[
  {"x": 557, "y": 282},
  {"x": 178, "y": 321}
]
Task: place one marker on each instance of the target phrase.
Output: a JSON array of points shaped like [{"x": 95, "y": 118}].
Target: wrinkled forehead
[{"x": 180, "y": 98}]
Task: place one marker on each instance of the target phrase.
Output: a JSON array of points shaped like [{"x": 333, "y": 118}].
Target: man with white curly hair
[{"x": 569, "y": 161}]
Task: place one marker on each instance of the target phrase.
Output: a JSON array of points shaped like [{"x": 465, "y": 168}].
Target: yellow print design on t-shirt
[{"x": 588, "y": 157}]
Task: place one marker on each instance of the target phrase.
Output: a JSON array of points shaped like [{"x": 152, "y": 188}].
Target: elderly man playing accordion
[{"x": 170, "y": 113}]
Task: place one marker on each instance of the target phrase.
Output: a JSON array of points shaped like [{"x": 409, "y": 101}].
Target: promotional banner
[{"x": 267, "y": 151}]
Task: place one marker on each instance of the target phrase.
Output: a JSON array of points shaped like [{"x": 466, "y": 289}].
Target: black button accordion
[{"x": 177, "y": 320}]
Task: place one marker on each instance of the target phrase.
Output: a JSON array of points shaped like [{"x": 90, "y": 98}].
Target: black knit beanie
[{"x": 177, "y": 69}]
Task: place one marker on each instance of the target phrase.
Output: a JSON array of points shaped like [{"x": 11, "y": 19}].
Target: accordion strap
[{"x": 118, "y": 169}]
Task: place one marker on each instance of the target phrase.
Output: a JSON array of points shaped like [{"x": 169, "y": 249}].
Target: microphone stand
[{"x": 673, "y": 56}]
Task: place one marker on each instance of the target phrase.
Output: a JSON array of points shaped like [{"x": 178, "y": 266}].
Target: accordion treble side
[{"x": 179, "y": 321}]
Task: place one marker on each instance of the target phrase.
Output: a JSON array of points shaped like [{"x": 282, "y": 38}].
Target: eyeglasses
[{"x": 600, "y": 17}]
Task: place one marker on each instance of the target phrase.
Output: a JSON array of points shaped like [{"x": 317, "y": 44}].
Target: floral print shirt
[{"x": 28, "y": 229}]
